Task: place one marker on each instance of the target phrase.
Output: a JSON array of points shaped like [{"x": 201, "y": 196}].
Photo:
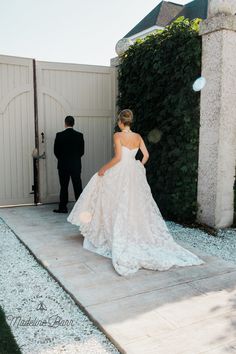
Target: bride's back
[{"x": 130, "y": 140}]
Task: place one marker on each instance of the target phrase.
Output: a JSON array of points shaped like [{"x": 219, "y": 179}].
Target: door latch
[{"x": 36, "y": 155}]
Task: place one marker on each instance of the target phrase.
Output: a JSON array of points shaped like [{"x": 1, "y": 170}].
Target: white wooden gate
[
  {"x": 86, "y": 92},
  {"x": 17, "y": 138}
]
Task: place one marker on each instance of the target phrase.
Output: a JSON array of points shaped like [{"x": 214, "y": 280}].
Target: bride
[{"x": 118, "y": 216}]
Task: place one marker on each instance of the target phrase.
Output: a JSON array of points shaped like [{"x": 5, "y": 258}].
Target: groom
[{"x": 68, "y": 149}]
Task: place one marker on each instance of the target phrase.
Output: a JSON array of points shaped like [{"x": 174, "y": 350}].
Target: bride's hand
[{"x": 101, "y": 171}]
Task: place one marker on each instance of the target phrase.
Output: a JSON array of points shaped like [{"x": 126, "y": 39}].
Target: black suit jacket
[{"x": 68, "y": 149}]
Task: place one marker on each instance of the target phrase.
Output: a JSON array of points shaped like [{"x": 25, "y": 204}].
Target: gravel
[
  {"x": 222, "y": 245},
  {"x": 43, "y": 317}
]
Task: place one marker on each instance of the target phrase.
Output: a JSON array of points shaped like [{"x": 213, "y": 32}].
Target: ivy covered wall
[{"x": 155, "y": 81}]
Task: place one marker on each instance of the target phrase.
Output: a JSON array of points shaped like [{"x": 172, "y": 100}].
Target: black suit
[{"x": 68, "y": 149}]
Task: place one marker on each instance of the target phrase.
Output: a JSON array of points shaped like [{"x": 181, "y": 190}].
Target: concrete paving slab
[
  {"x": 197, "y": 338},
  {"x": 226, "y": 349}
]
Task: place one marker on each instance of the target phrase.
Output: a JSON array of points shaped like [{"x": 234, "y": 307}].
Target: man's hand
[{"x": 101, "y": 171}]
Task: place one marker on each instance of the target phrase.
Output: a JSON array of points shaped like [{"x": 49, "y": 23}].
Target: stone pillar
[{"x": 217, "y": 149}]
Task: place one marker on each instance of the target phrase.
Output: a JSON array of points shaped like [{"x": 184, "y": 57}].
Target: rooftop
[{"x": 165, "y": 12}]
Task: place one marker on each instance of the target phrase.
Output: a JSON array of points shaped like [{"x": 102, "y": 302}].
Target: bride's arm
[
  {"x": 144, "y": 151},
  {"x": 115, "y": 159}
]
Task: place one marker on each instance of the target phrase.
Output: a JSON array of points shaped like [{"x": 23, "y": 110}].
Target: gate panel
[
  {"x": 86, "y": 92},
  {"x": 17, "y": 139}
]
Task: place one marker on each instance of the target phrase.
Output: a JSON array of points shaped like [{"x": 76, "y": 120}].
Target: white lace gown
[{"x": 126, "y": 224}]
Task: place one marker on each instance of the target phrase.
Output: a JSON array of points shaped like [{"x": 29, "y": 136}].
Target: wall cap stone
[{"x": 218, "y": 23}]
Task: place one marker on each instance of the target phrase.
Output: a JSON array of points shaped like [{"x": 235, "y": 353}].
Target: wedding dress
[{"x": 119, "y": 219}]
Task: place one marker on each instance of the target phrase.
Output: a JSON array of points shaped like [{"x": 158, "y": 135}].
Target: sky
[{"x": 70, "y": 31}]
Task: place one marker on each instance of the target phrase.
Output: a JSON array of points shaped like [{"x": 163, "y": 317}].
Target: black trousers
[{"x": 64, "y": 178}]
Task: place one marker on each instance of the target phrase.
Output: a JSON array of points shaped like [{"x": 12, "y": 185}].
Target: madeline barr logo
[{"x": 47, "y": 312}]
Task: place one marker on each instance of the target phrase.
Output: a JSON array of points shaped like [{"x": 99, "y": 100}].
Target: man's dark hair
[{"x": 69, "y": 121}]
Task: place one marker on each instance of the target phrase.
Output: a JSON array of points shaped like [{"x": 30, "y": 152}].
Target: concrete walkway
[{"x": 187, "y": 310}]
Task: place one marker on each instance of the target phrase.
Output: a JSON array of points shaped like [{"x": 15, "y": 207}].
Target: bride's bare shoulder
[
  {"x": 138, "y": 136},
  {"x": 116, "y": 135}
]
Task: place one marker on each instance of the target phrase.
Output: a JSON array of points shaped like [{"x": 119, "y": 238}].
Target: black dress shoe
[{"x": 61, "y": 211}]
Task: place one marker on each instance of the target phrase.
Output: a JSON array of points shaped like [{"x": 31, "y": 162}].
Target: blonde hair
[{"x": 126, "y": 117}]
